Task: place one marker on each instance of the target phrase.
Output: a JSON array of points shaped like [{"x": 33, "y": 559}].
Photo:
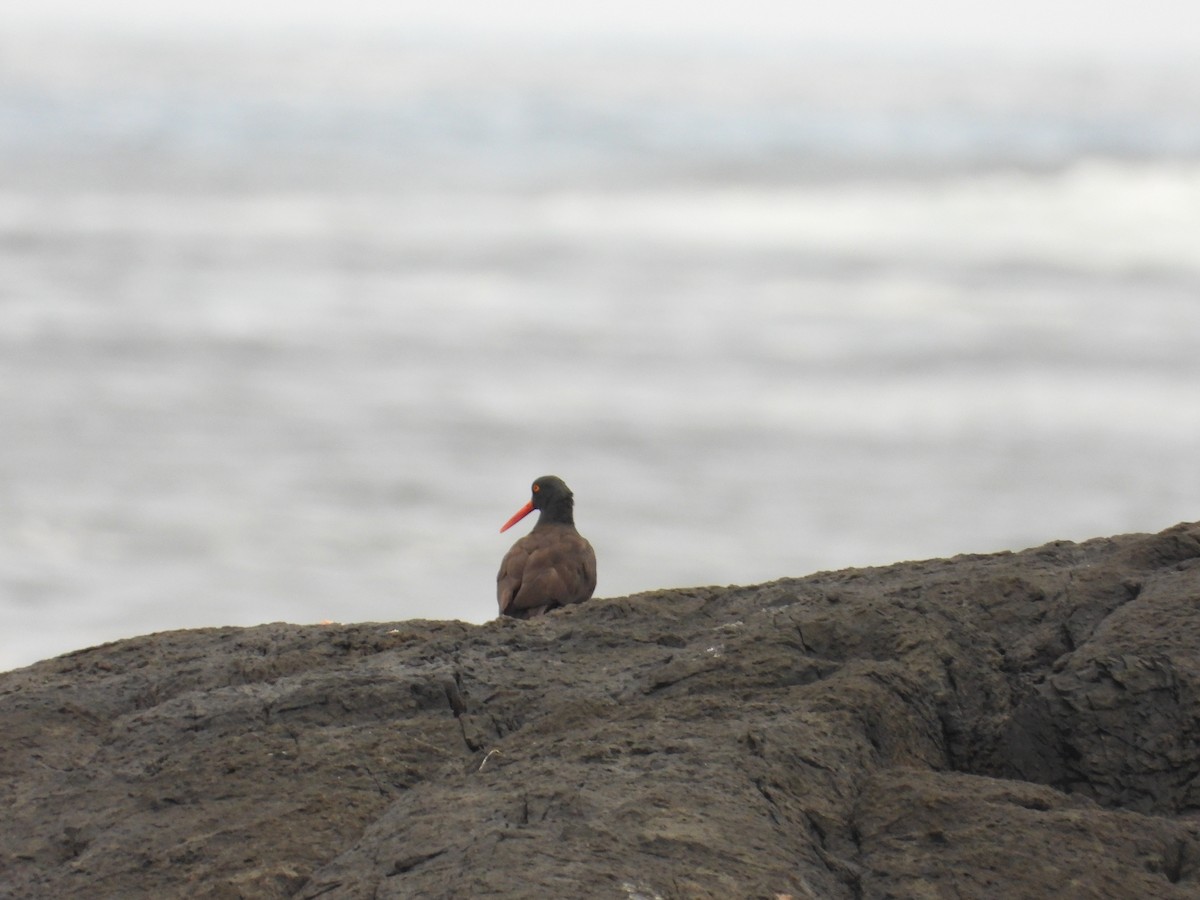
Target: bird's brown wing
[
  {"x": 587, "y": 571},
  {"x": 512, "y": 569}
]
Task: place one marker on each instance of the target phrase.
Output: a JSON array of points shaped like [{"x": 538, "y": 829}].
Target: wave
[{"x": 1102, "y": 217}]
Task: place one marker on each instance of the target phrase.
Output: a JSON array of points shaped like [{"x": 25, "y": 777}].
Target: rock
[{"x": 1011, "y": 725}]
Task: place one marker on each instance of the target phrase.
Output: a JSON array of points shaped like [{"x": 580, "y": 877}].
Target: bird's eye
[{"x": 536, "y": 488}]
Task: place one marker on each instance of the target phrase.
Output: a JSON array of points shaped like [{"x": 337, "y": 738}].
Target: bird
[{"x": 553, "y": 565}]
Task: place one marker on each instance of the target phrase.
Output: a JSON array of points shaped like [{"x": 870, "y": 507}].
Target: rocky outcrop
[{"x": 1011, "y": 725}]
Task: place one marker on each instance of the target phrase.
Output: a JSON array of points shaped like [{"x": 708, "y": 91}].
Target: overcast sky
[{"x": 1079, "y": 27}]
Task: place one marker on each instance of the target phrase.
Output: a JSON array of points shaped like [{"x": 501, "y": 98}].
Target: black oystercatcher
[{"x": 551, "y": 566}]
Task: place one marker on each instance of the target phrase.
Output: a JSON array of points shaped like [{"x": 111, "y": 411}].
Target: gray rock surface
[{"x": 1021, "y": 725}]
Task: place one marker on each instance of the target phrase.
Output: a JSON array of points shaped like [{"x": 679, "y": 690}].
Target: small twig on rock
[{"x": 490, "y": 753}]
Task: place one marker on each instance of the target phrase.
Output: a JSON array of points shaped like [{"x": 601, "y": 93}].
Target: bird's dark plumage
[{"x": 553, "y": 565}]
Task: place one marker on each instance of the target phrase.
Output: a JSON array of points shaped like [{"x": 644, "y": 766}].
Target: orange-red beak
[{"x": 518, "y": 516}]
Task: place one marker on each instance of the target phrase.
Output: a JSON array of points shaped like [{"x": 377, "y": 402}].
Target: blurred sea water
[{"x": 287, "y": 330}]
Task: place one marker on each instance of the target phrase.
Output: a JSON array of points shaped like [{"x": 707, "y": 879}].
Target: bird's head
[{"x": 551, "y": 496}]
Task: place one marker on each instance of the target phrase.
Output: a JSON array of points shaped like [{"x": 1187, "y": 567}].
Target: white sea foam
[{"x": 1096, "y": 216}]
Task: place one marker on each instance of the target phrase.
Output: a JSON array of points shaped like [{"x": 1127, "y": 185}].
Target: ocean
[{"x": 287, "y": 329}]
